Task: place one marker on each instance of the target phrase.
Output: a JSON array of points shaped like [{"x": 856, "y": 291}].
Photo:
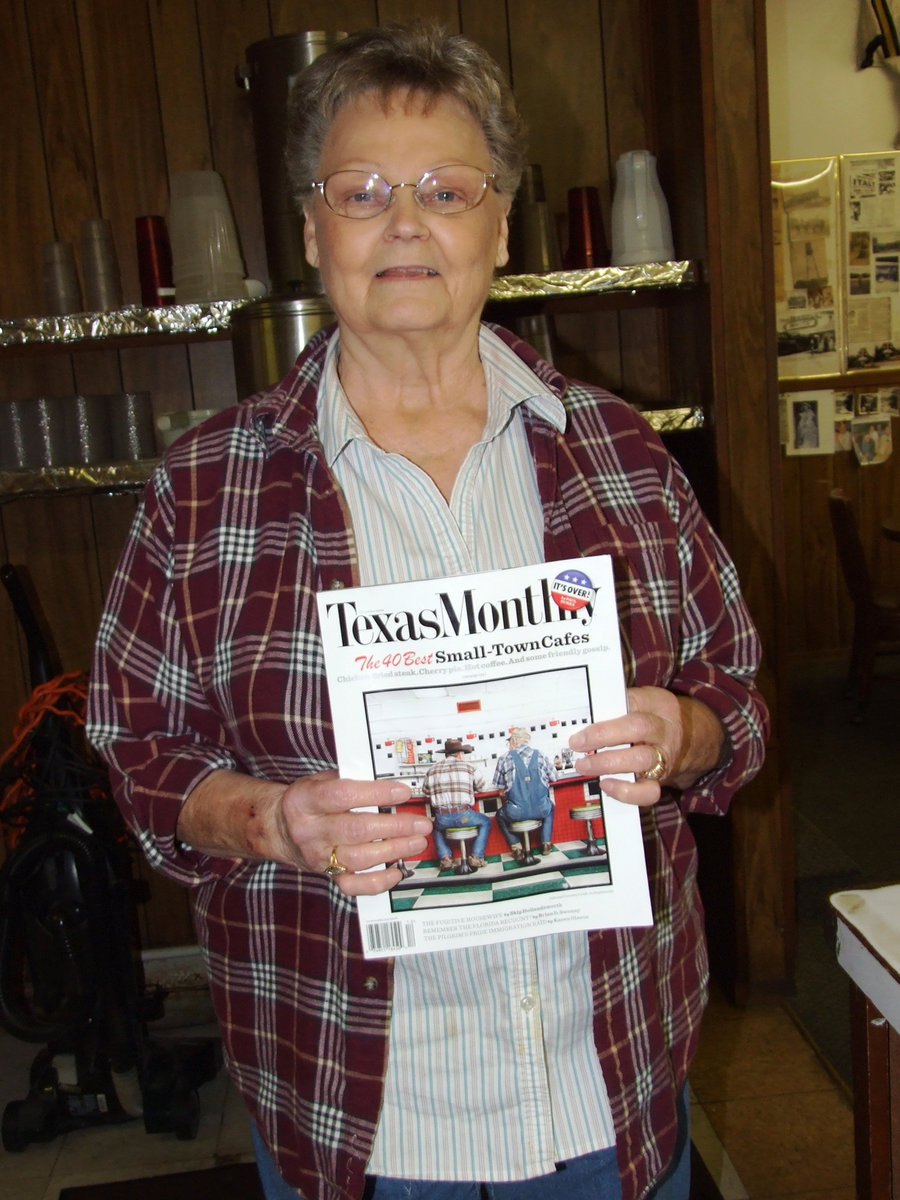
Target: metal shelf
[{"x": 183, "y": 321}]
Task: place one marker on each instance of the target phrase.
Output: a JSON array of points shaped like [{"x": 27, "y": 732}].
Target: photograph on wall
[
  {"x": 889, "y": 401},
  {"x": 866, "y": 403},
  {"x": 809, "y": 422},
  {"x": 872, "y": 440},
  {"x": 843, "y": 434},
  {"x": 805, "y": 229},
  {"x": 871, "y": 206}
]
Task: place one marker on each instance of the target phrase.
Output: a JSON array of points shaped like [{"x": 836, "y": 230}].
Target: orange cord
[{"x": 66, "y": 696}]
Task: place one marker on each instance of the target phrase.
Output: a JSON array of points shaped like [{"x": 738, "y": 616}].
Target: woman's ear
[
  {"x": 309, "y": 238},
  {"x": 502, "y": 256}
]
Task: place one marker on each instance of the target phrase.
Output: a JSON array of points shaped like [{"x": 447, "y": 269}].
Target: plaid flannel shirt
[
  {"x": 208, "y": 656},
  {"x": 452, "y": 784}
]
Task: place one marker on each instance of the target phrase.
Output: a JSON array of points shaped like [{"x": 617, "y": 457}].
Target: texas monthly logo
[{"x": 459, "y": 615}]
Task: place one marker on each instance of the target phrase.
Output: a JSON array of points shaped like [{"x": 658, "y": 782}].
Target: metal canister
[
  {"x": 268, "y": 75},
  {"x": 268, "y": 334}
]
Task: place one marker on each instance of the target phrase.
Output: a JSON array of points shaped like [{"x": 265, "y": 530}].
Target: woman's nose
[{"x": 405, "y": 214}]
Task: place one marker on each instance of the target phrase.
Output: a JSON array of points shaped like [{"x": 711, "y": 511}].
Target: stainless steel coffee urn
[
  {"x": 268, "y": 334},
  {"x": 268, "y": 75}
]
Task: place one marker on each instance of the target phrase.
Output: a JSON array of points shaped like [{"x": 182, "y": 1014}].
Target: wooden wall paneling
[
  {"x": 819, "y": 562},
  {"x": 125, "y": 121},
  {"x": 26, "y": 216},
  {"x": 672, "y": 100},
  {"x": 212, "y": 375},
  {"x": 23, "y": 375},
  {"x": 97, "y": 372},
  {"x": 182, "y": 96},
  {"x": 334, "y": 16},
  {"x": 111, "y": 516},
  {"x": 65, "y": 122},
  {"x": 797, "y": 600},
  {"x": 629, "y": 114},
  {"x": 645, "y": 369},
  {"x": 627, "y": 96},
  {"x": 163, "y": 371},
  {"x": 589, "y": 347},
  {"x": 486, "y": 22},
  {"x": 227, "y": 28},
  {"x": 747, "y": 447},
  {"x": 53, "y": 537},
  {"x": 557, "y": 75},
  {"x": 15, "y": 685},
  {"x": 444, "y": 11},
  {"x": 885, "y": 556}
]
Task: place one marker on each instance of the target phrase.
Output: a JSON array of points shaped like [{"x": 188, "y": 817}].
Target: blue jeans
[
  {"x": 460, "y": 818},
  {"x": 590, "y": 1177},
  {"x": 676, "y": 1184},
  {"x": 511, "y": 811}
]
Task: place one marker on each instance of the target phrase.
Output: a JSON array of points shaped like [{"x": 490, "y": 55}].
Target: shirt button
[
  {"x": 527, "y": 1004},
  {"x": 370, "y": 983}
]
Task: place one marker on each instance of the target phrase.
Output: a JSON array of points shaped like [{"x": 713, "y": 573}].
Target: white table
[{"x": 868, "y": 949}]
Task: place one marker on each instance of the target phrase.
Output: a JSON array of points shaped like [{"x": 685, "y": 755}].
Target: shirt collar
[{"x": 509, "y": 383}]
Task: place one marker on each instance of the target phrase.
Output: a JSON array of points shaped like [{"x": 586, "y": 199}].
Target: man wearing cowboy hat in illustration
[{"x": 450, "y": 786}]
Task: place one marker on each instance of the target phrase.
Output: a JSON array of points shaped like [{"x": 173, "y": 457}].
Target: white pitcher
[{"x": 641, "y": 229}]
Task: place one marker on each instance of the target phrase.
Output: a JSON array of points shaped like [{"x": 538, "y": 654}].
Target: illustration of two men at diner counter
[{"x": 523, "y": 775}]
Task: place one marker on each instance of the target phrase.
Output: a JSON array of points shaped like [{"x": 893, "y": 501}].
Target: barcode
[{"x": 392, "y": 935}]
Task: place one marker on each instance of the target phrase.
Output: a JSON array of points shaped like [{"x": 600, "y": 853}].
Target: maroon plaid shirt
[{"x": 208, "y": 656}]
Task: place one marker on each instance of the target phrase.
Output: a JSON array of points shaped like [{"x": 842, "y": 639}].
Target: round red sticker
[{"x": 572, "y": 589}]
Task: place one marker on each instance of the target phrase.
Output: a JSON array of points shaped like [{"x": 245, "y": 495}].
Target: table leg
[{"x": 870, "y": 1042}]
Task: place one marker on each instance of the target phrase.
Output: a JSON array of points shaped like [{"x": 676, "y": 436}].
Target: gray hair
[
  {"x": 421, "y": 58},
  {"x": 520, "y": 734}
]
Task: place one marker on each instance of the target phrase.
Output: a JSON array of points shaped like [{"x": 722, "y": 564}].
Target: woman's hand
[
  {"x": 303, "y": 823},
  {"x": 676, "y": 738}
]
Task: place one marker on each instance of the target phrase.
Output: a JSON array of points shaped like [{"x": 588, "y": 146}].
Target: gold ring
[
  {"x": 335, "y": 867},
  {"x": 658, "y": 769}
]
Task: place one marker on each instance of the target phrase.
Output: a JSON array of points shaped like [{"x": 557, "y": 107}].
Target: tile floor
[{"x": 768, "y": 1117}]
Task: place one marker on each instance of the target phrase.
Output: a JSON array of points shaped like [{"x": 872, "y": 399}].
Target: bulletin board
[
  {"x": 806, "y": 219},
  {"x": 871, "y": 203}
]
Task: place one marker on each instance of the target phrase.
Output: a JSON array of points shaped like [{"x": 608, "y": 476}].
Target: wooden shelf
[
  {"x": 106, "y": 478},
  {"x": 867, "y": 378}
]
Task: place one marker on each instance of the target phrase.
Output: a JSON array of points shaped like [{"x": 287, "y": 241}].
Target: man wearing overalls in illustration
[{"x": 524, "y": 776}]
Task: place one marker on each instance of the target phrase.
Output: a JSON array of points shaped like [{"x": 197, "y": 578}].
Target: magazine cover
[{"x": 488, "y": 676}]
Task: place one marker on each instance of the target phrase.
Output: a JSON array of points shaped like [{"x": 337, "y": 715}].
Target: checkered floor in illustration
[{"x": 501, "y": 879}]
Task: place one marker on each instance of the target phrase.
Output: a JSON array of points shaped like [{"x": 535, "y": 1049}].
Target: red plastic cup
[
  {"x": 587, "y": 241},
  {"x": 154, "y": 261}
]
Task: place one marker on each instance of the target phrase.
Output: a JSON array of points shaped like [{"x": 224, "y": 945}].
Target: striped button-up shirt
[
  {"x": 208, "y": 656},
  {"x": 538, "y": 1030}
]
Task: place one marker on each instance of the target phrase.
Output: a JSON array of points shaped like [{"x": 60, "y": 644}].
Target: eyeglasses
[{"x": 446, "y": 190}]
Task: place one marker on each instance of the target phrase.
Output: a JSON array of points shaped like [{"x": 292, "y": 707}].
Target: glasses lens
[
  {"x": 452, "y": 189},
  {"x": 356, "y": 193}
]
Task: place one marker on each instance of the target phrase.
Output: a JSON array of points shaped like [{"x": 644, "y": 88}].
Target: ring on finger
[
  {"x": 335, "y": 866},
  {"x": 658, "y": 769}
]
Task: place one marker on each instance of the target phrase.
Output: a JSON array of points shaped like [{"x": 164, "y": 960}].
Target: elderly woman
[{"x": 411, "y": 440}]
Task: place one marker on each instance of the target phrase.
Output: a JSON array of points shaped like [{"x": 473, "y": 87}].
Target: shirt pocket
[{"x": 647, "y": 578}]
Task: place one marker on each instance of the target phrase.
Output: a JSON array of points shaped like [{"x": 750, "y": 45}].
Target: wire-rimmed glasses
[{"x": 454, "y": 188}]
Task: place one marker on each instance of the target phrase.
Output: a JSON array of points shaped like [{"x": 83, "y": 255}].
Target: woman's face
[{"x": 406, "y": 271}]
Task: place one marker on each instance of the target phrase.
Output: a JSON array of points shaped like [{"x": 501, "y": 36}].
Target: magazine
[{"x": 446, "y": 668}]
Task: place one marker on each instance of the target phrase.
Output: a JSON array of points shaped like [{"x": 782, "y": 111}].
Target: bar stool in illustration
[
  {"x": 524, "y": 829},
  {"x": 588, "y": 813},
  {"x": 462, "y": 834}
]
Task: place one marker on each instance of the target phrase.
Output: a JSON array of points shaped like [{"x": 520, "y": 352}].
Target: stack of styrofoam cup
[{"x": 206, "y": 255}]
